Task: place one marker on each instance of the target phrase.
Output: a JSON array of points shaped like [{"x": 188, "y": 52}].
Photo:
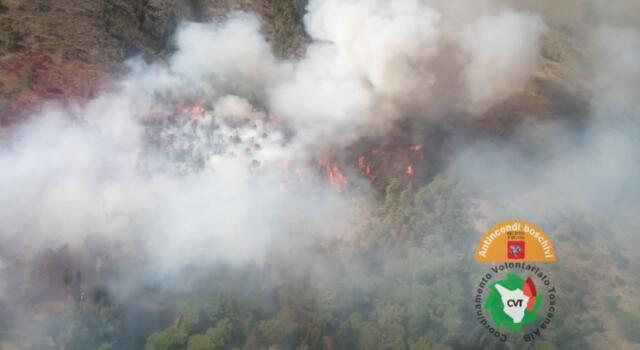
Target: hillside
[
  {"x": 259, "y": 186},
  {"x": 62, "y": 50}
]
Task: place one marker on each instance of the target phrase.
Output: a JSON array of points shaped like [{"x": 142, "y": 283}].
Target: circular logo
[{"x": 513, "y": 302}]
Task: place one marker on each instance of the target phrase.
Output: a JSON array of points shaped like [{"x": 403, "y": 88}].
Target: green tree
[
  {"x": 428, "y": 342},
  {"x": 281, "y": 330},
  {"x": 215, "y": 338},
  {"x": 221, "y": 334},
  {"x": 171, "y": 338},
  {"x": 199, "y": 342},
  {"x": 190, "y": 320}
]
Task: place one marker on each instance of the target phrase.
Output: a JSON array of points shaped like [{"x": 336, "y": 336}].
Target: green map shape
[{"x": 495, "y": 306}]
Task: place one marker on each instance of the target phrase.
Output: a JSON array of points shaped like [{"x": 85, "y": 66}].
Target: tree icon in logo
[{"x": 513, "y": 302}]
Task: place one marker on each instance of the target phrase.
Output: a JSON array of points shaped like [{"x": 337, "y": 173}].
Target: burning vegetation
[{"x": 218, "y": 195}]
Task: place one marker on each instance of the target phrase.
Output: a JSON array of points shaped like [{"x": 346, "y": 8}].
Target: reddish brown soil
[{"x": 28, "y": 79}]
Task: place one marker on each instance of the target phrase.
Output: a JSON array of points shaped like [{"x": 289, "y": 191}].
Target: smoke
[
  {"x": 228, "y": 57},
  {"x": 204, "y": 157},
  {"x": 486, "y": 41},
  {"x": 560, "y": 166},
  {"x": 206, "y": 188},
  {"x": 372, "y": 63},
  {"x": 197, "y": 190}
]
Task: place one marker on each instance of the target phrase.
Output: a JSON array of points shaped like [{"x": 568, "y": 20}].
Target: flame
[
  {"x": 274, "y": 119},
  {"x": 197, "y": 110},
  {"x": 366, "y": 168},
  {"x": 293, "y": 172},
  {"x": 334, "y": 174},
  {"x": 409, "y": 170},
  {"x": 417, "y": 148},
  {"x": 336, "y": 177}
]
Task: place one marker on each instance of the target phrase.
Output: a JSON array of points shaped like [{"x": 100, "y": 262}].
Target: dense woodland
[{"x": 405, "y": 282}]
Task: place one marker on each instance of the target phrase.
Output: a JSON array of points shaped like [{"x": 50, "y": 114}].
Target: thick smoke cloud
[
  {"x": 372, "y": 63},
  {"x": 179, "y": 187},
  {"x": 204, "y": 157},
  {"x": 209, "y": 188},
  {"x": 588, "y": 166},
  {"x": 503, "y": 52},
  {"x": 202, "y": 189}
]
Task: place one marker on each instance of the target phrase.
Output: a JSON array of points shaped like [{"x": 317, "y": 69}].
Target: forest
[
  {"x": 405, "y": 281},
  {"x": 302, "y": 175}
]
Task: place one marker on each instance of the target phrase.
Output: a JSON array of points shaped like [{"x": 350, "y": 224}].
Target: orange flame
[
  {"x": 293, "y": 172},
  {"x": 409, "y": 170},
  {"x": 274, "y": 119},
  {"x": 366, "y": 168},
  {"x": 334, "y": 174},
  {"x": 197, "y": 110},
  {"x": 417, "y": 148}
]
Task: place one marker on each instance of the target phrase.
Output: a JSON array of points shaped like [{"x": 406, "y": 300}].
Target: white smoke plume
[
  {"x": 371, "y": 62},
  {"x": 503, "y": 53},
  {"x": 210, "y": 156},
  {"x": 206, "y": 188},
  {"x": 557, "y": 167}
]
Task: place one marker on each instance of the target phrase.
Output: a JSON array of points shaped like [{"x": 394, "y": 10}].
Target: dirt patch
[{"x": 28, "y": 79}]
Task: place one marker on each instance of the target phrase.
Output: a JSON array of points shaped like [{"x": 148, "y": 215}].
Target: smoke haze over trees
[{"x": 318, "y": 179}]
